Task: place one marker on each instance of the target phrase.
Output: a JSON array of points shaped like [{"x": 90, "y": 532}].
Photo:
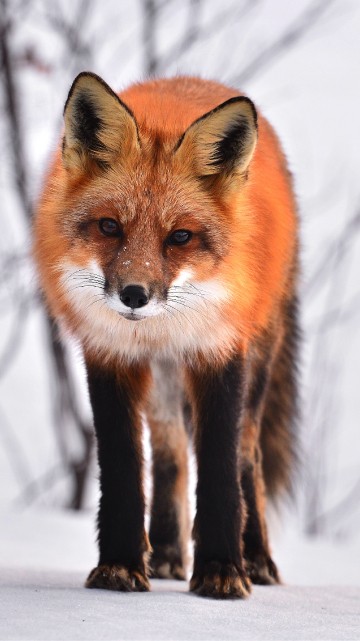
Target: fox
[{"x": 166, "y": 243}]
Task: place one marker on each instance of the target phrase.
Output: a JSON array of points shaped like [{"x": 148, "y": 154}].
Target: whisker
[
  {"x": 167, "y": 310},
  {"x": 89, "y": 281},
  {"x": 71, "y": 289},
  {"x": 183, "y": 314},
  {"x": 198, "y": 291},
  {"x": 84, "y": 274},
  {"x": 91, "y": 277},
  {"x": 198, "y": 311},
  {"x": 180, "y": 299},
  {"x": 185, "y": 291},
  {"x": 187, "y": 294},
  {"x": 181, "y": 302},
  {"x": 97, "y": 299}
]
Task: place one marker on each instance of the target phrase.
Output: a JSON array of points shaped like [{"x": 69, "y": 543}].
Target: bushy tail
[{"x": 279, "y": 435}]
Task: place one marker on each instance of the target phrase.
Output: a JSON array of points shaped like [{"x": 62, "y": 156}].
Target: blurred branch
[
  {"x": 16, "y": 455},
  {"x": 194, "y": 32},
  {"x": 338, "y": 247},
  {"x": 65, "y": 403},
  {"x": 337, "y": 316},
  {"x": 341, "y": 510},
  {"x": 292, "y": 36},
  {"x": 11, "y": 264},
  {"x": 70, "y": 30},
  {"x": 191, "y": 35},
  {"x": 325, "y": 377},
  {"x": 30, "y": 58},
  {"x": 150, "y": 11},
  {"x": 15, "y": 337},
  {"x": 37, "y": 487},
  {"x": 12, "y": 113}
]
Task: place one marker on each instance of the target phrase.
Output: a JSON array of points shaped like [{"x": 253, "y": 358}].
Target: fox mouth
[
  {"x": 132, "y": 316},
  {"x": 154, "y": 308}
]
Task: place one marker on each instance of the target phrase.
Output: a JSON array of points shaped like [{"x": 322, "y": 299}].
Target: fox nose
[{"x": 134, "y": 296}]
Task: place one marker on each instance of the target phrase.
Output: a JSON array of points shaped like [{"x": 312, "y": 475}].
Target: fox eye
[
  {"x": 109, "y": 227},
  {"x": 179, "y": 237}
]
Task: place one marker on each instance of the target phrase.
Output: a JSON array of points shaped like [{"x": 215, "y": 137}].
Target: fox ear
[
  {"x": 223, "y": 140},
  {"x": 99, "y": 127}
]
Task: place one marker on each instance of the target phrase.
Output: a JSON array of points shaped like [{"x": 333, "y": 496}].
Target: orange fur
[
  {"x": 216, "y": 330},
  {"x": 154, "y": 190}
]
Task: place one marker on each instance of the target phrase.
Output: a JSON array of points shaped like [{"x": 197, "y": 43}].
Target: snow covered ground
[{"x": 45, "y": 556}]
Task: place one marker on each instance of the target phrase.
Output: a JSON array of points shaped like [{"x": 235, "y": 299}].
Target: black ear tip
[
  {"x": 247, "y": 101},
  {"x": 89, "y": 75},
  {"x": 240, "y": 100},
  {"x": 82, "y": 74},
  {"x": 94, "y": 81},
  {"x": 253, "y": 109}
]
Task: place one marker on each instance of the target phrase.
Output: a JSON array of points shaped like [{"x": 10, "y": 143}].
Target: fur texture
[{"x": 178, "y": 189}]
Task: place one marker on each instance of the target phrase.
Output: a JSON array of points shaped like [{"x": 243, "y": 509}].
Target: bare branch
[
  {"x": 342, "y": 509},
  {"x": 16, "y": 335},
  {"x": 150, "y": 11},
  {"x": 194, "y": 33},
  {"x": 292, "y": 36},
  {"x": 37, "y": 487},
  {"x": 69, "y": 30},
  {"x": 337, "y": 316},
  {"x": 12, "y": 113},
  {"x": 65, "y": 404},
  {"x": 16, "y": 454},
  {"x": 321, "y": 420},
  {"x": 191, "y": 35},
  {"x": 338, "y": 247}
]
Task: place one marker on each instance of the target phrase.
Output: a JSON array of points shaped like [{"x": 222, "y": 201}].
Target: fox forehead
[{"x": 146, "y": 197}]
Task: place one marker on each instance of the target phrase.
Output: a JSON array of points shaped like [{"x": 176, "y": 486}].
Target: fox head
[{"x": 144, "y": 216}]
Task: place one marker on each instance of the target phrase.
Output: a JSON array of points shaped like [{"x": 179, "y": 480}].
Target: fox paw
[
  {"x": 117, "y": 577},
  {"x": 220, "y": 581},
  {"x": 166, "y": 563},
  {"x": 263, "y": 571}
]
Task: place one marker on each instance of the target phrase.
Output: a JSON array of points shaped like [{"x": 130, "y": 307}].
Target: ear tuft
[
  {"x": 86, "y": 122},
  {"x": 98, "y": 126},
  {"x": 223, "y": 140}
]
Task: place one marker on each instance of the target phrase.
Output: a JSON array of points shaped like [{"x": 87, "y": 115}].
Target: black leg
[
  {"x": 218, "y": 565},
  {"x": 259, "y": 564},
  {"x": 122, "y": 541},
  {"x": 169, "y": 525}
]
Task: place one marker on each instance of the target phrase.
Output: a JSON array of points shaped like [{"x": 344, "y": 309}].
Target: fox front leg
[
  {"x": 123, "y": 545},
  {"x": 169, "y": 525},
  {"x": 219, "y": 570}
]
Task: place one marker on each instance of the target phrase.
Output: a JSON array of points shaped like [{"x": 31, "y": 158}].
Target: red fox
[{"x": 166, "y": 242}]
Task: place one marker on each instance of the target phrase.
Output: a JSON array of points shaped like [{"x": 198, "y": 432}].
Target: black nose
[{"x": 134, "y": 296}]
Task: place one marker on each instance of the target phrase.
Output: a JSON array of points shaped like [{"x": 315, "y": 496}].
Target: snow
[
  {"x": 45, "y": 557},
  {"x": 42, "y": 607}
]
